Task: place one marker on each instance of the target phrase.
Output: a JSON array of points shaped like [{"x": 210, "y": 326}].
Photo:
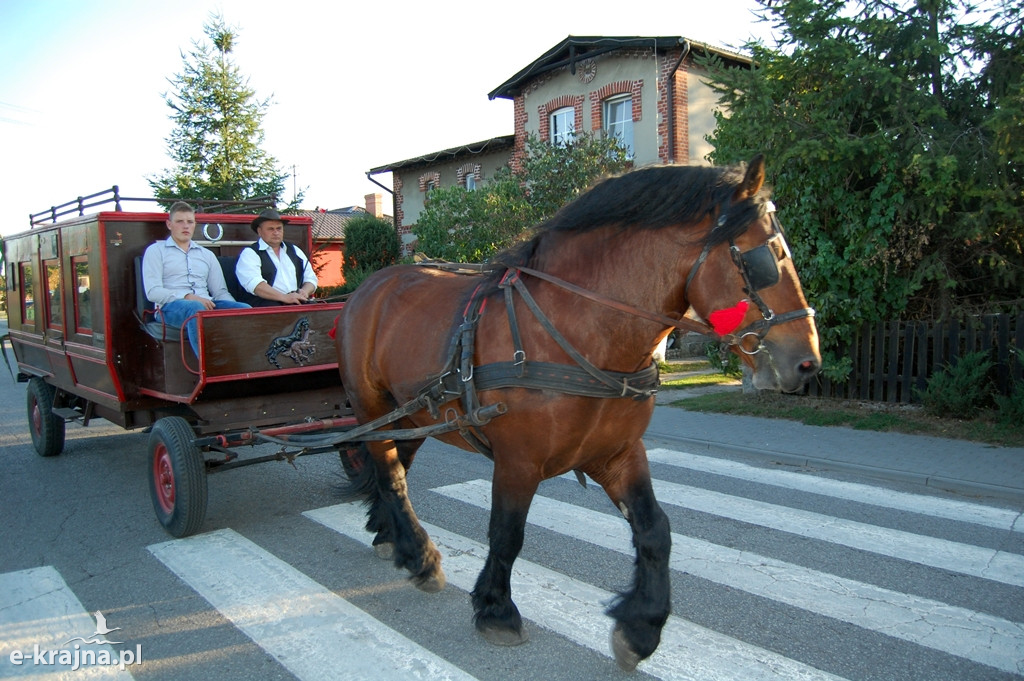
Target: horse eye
[{"x": 779, "y": 247}]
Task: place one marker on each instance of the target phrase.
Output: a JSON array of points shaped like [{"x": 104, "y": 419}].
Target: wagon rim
[
  {"x": 163, "y": 478},
  {"x": 37, "y": 418}
]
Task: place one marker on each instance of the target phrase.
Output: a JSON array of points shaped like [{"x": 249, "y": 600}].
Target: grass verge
[
  {"x": 677, "y": 366},
  {"x": 699, "y": 380},
  {"x": 899, "y": 418}
]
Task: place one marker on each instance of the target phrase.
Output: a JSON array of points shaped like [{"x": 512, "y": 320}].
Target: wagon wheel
[
  {"x": 177, "y": 477},
  {"x": 47, "y": 428},
  {"x": 351, "y": 460}
]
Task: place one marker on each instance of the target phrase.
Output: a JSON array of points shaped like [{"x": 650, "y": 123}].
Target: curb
[{"x": 963, "y": 487}]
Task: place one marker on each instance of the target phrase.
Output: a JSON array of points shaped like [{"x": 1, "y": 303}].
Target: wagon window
[
  {"x": 83, "y": 308},
  {"x": 54, "y": 313},
  {"x": 28, "y": 303}
]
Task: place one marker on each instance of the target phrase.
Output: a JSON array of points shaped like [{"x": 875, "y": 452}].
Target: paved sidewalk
[{"x": 957, "y": 465}]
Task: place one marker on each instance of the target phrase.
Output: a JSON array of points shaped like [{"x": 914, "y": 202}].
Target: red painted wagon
[{"x": 89, "y": 347}]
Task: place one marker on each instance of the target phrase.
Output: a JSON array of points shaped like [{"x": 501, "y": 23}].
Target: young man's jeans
[{"x": 176, "y": 312}]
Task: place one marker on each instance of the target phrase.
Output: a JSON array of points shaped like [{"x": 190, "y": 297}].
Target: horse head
[{"x": 745, "y": 284}]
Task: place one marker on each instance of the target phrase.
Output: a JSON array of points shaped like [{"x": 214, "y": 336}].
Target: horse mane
[{"x": 651, "y": 198}]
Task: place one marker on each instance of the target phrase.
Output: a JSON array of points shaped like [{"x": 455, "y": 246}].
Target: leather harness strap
[
  {"x": 683, "y": 323},
  {"x": 464, "y": 380}
]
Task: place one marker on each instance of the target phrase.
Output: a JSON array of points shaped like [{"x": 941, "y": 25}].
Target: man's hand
[
  {"x": 207, "y": 303},
  {"x": 266, "y": 291}
]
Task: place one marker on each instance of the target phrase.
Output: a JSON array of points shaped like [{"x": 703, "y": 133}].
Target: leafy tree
[
  {"x": 555, "y": 175},
  {"x": 217, "y": 140},
  {"x": 370, "y": 244},
  {"x": 471, "y": 226},
  {"x": 893, "y": 132}
]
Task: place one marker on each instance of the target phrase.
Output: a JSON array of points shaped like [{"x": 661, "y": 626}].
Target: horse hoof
[
  {"x": 432, "y": 584},
  {"x": 503, "y": 636},
  {"x": 624, "y": 655},
  {"x": 384, "y": 550}
]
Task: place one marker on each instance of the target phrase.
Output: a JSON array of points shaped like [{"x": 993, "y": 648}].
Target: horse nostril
[{"x": 808, "y": 367}]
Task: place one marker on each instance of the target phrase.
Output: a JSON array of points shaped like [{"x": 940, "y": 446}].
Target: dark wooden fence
[{"x": 893, "y": 360}]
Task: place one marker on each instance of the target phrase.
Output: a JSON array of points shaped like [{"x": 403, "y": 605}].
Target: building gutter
[
  {"x": 394, "y": 218},
  {"x": 389, "y": 191}
]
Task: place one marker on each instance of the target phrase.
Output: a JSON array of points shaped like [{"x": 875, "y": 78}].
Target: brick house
[
  {"x": 329, "y": 236},
  {"x": 647, "y": 91}
]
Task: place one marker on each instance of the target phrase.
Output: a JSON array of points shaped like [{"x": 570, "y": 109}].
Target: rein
[{"x": 684, "y": 323}]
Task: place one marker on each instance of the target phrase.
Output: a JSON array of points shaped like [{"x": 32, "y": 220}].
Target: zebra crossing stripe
[
  {"x": 936, "y": 507},
  {"x": 575, "y": 610},
  {"x": 310, "y": 630},
  {"x": 967, "y": 559},
  {"x": 977, "y": 561},
  {"x": 959, "y": 631},
  {"x": 37, "y": 608}
]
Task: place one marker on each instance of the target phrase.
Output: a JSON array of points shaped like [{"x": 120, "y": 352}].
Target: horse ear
[{"x": 753, "y": 180}]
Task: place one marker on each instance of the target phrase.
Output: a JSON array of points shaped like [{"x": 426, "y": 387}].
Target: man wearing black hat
[{"x": 271, "y": 271}]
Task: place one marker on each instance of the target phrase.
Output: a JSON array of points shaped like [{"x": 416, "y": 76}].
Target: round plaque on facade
[{"x": 586, "y": 70}]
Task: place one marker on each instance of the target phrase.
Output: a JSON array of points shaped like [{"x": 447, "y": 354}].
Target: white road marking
[
  {"x": 977, "y": 561},
  {"x": 959, "y": 631},
  {"x": 575, "y": 610},
  {"x": 937, "y": 507},
  {"x": 37, "y": 608},
  {"x": 311, "y": 631}
]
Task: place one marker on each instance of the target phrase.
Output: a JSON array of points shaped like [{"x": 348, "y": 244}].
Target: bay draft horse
[{"x": 597, "y": 287}]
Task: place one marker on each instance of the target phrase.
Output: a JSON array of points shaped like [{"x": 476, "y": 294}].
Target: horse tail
[
  {"x": 363, "y": 484},
  {"x": 361, "y": 480}
]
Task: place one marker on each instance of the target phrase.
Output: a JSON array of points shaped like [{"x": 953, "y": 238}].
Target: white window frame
[
  {"x": 617, "y": 119},
  {"x": 563, "y": 126}
]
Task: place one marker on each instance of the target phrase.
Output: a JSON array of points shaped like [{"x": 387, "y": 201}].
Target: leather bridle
[{"x": 759, "y": 268}]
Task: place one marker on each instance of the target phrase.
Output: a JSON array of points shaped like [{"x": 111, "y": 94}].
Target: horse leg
[
  {"x": 495, "y": 616},
  {"x": 641, "y": 612},
  {"x": 392, "y": 517},
  {"x": 378, "y": 519}
]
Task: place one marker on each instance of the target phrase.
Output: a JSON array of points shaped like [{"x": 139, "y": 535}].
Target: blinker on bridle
[{"x": 759, "y": 268}]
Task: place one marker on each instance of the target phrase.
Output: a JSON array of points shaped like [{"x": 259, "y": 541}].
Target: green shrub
[
  {"x": 961, "y": 390},
  {"x": 330, "y": 293},
  {"x": 370, "y": 244},
  {"x": 354, "y": 276},
  {"x": 1011, "y": 407},
  {"x": 729, "y": 366}
]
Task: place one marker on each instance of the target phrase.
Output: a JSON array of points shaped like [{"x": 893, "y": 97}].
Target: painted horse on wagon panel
[{"x": 544, "y": 363}]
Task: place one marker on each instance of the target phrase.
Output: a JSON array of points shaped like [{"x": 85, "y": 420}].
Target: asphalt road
[{"x": 779, "y": 573}]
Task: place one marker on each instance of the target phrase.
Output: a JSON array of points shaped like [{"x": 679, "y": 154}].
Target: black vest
[{"x": 269, "y": 272}]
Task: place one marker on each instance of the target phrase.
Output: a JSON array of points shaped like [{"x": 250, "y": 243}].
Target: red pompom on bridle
[{"x": 728, "y": 320}]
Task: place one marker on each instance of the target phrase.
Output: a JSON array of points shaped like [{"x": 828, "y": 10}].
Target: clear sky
[{"x": 354, "y": 85}]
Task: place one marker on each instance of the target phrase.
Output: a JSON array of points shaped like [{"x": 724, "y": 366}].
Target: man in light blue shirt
[{"x": 182, "y": 278}]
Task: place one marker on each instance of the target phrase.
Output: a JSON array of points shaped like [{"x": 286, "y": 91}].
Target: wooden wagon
[{"x": 89, "y": 346}]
